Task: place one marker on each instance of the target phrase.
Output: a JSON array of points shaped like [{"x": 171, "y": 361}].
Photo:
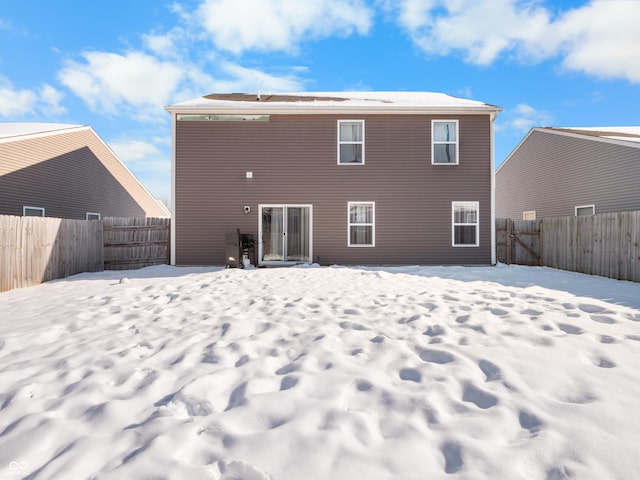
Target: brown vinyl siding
[
  {"x": 294, "y": 161},
  {"x": 553, "y": 173},
  {"x": 70, "y": 174}
]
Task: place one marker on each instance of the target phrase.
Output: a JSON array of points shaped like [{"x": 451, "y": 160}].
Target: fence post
[{"x": 508, "y": 240}]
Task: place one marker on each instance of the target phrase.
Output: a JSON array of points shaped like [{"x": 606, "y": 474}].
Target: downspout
[
  {"x": 494, "y": 115},
  {"x": 173, "y": 188}
]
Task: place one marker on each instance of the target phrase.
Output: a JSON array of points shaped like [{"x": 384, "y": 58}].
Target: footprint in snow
[
  {"x": 602, "y": 319},
  {"x": 480, "y": 398},
  {"x": 529, "y": 421},
  {"x": 592, "y": 308},
  {"x": 491, "y": 371},
  {"x": 436, "y": 356},
  {"x": 605, "y": 363},
  {"x": 607, "y": 339},
  {"x": 570, "y": 329},
  {"x": 453, "y": 460},
  {"x": 411, "y": 375},
  {"x": 434, "y": 330}
]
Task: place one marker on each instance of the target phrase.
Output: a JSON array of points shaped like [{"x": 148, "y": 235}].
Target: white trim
[
  {"x": 434, "y": 143},
  {"x": 284, "y": 206},
  {"x": 340, "y": 142},
  {"x": 92, "y": 213},
  {"x": 172, "y": 231},
  {"x": 492, "y": 172},
  {"x": 60, "y": 131},
  {"x": 476, "y": 205},
  {"x": 524, "y": 214},
  {"x": 592, "y": 207},
  {"x": 372, "y": 225},
  {"x": 265, "y": 108},
  {"x": 25, "y": 207}
]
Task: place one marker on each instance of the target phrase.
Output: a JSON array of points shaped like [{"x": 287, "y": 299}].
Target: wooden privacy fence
[
  {"x": 135, "y": 242},
  {"x": 36, "y": 249},
  {"x": 518, "y": 241},
  {"x": 607, "y": 244}
]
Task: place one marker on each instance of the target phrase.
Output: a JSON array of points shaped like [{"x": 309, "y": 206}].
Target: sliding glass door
[{"x": 285, "y": 234}]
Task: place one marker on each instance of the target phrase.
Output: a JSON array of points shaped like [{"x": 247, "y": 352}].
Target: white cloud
[
  {"x": 522, "y": 118},
  {"x": 21, "y": 102},
  {"x": 108, "y": 82},
  {"x": 15, "y": 102},
  {"x": 133, "y": 151},
  {"x": 270, "y": 25},
  {"x": 140, "y": 84},
  {"x": 51, "y": 99},
  {"x": 243, "y": 79},
  {"x": 601, "y": 38}
]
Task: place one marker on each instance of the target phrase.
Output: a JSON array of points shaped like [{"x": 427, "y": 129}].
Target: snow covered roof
[
  {"x": 331, "y": 102},
  {"x": 20, "y": 129},
  {"x": 627, "y": 134}
]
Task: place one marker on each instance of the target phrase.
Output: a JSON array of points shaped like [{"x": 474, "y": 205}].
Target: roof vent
[{"x": 258, "y": 96}]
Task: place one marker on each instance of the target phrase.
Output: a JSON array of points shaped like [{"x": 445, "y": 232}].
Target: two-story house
[
  {"x": 67, "y": 171},
  {"x": 570, "y": 171},
  {"x": 335, "y": 178}
]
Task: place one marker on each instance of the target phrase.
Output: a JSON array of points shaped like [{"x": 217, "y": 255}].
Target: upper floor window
[
  {"x": 465, "y": 224},
  {"x": 585, "y": 210},
  {"x": 350, "y": 142},
  {"x": 444, "y": 145},
  {"x": 361, "y": 224},
  {"x": 32, "y": 211}
]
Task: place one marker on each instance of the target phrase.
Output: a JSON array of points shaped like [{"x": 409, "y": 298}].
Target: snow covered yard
[{"x": 321, "y": 373}]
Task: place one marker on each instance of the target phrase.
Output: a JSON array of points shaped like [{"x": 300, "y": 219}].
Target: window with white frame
[
  {"x": 529, "y": 215},
  {"x": 444, "y": 143},
  {"x": 32, "y": 211},
  {"x": 585, "y": 210},
  {"x": 93, "y": 216},
  {"x": 361, "y": 224},
  {"x": 350, "y": 142},
  {"x": 465, "y": 224}
]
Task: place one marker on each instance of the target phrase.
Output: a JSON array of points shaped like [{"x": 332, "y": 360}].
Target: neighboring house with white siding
[
  {"x": 570, "y": 171},
  {"x": 334, "y": 178},
  {"x": 67, "y": 171}
]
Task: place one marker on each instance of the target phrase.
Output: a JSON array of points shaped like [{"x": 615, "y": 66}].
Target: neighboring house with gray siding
[
  {"x": 570, "y": 171},
  {"x": 67, "y": 171},
  {"x": 334, "y": 178}
]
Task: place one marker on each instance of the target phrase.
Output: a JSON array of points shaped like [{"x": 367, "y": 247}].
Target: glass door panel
[
  {"x": 285, "y": 233},
  {"x": 297, "y": 236},
  {"x": 272, "y": 234}
]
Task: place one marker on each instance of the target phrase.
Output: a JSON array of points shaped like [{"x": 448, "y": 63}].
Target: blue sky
[{"x": 115, "y": 64}]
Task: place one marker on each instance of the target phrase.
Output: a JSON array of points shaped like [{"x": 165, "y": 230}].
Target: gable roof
[
  {"x": 627, "y": 136},
  {"x": 19, "y": 132},
  {"x": 332, "y": 102}
]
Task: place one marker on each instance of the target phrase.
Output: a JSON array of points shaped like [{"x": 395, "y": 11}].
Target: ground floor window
[
  {"x": 465, "y": 224},
  {"x": 529, "y": 215},
  {"x": 361, "y": 224},
  {"x": 585, "y": 210},
  {"x": 93, "y": 216},
  {"x": 32, "y": 211}
]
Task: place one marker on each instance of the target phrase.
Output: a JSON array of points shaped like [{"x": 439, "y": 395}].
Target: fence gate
[{"x": 519, "y": 241}]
